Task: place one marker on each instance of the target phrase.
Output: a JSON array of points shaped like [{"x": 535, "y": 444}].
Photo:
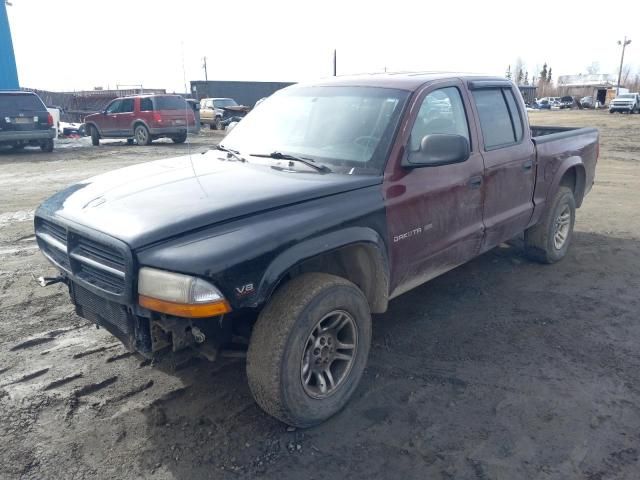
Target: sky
[{"x": 66, "y": 45}]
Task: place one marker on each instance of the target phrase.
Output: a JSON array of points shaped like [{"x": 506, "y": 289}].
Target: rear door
[
  {"x": 509, "y": 159},
  {"x": 434, "y": 212},
  {"x": 125, "y": 117}
]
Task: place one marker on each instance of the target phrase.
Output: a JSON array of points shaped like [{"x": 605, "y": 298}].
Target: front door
[
  {"x": 509, "y": 159},
  {"x": 434, "y": 213},
  {"x": 108, "y": 123},
  {"x": 125, "y": 117}
]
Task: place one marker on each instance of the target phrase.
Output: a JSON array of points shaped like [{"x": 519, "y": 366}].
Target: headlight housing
[{"x": 179, "y": 295}]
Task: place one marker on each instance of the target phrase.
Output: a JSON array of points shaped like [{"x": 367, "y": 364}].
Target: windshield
[
  {"x": 348, "y": 128},
  {"x": 224, "y": 102},
  {"x": 170, "y": 103}
]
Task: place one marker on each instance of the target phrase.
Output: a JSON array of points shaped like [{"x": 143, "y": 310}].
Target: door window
[
  {"x": 442, "y": 111},
  {"x": 500, "y": 118},
  {"x": 114, "y": 107},
  {"x": 126, "y": 106}
]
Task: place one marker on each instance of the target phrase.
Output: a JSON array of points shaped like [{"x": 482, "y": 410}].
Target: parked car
[
  {"x": 625, "y": 102},
  {"x": 24, "y": 121},
  {"x": 143, "y": 118},
  {"x": 218, "y": 113},
  {"x": 290, "y": 234},
  {"x": 544, "y": 103},
  {"x": 587, "y": 102},
  {"x": 566, "y": 102}
]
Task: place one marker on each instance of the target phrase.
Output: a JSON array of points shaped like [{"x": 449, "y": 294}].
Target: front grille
[
  {"x": 110, "y": 315},
  {"x": 103, "y": 265}
]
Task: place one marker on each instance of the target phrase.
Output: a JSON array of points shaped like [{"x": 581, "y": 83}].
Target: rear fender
[{"x": 563, "y": 168}]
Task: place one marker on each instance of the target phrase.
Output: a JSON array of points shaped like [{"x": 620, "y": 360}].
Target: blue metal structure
[{"x": 8, "y": 70}]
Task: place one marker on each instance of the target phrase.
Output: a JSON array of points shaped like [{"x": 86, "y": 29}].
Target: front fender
[{"x": 319, "y": 245}]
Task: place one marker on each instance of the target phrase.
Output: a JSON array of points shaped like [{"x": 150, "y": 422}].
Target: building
[
  {"x": 602, "y": 87},
  {"x": 8, "y": 70},
  {"x": 528, "y": 93},
  {"x": 245, "y": 93}
]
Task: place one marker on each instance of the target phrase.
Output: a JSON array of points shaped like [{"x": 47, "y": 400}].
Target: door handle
[
  {"x": 475, "y": 182},
  {"x": 528, "y": 165}
]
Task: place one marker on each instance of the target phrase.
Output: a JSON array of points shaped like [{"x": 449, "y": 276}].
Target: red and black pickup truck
[{"x": 325, "y": 202}]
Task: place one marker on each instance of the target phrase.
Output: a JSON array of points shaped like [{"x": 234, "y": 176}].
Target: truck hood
[{"x": 154, "y": 201}]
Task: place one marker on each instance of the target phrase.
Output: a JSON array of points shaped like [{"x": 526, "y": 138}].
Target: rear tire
[
  {"x": 180, "y": 138},
  {"x": 549, "y": 240},
  {"x": 47, "y": 145},
  {"x": 218, "y": 124},
  {"x": 314, "y": 323},
  {"x": 95, "y": 136},
  {"x": 142, "y": 135}
]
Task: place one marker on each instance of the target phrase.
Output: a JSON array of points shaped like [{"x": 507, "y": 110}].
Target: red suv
[{"x": 143, "y": 118}]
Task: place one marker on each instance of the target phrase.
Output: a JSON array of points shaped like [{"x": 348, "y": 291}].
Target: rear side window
[
  {"x": 11, "y": 104},
  {"x": 126, "y": 105},
  {"x": 146, "y": 105},
  {"x": 169, "y": 103},
  {"x": 500, "y": 127},
  {"x": 442, "y": 111}
]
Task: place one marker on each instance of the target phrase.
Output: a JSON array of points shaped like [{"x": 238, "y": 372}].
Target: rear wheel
[
  {"x": 47, "y": 145},
  {"x": 142, "y": 136},
  {"x": 179, "y": 138},
  {"x": 95, "y": 136},
  {"x": 549, "y": 240},
  {"x": 309, "y": 348},
  {"x": 218, "y": 124}
]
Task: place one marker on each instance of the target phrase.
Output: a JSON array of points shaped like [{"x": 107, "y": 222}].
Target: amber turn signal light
[{"x": 200, "y": 310}]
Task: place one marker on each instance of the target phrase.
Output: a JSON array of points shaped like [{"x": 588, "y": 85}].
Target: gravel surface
[{"x": 500, "y": 369}]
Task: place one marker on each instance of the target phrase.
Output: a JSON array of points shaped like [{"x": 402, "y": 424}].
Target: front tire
[
  {"x": 314, "y": 324},
  {"x": 95, "y": 136},
  {"x": 549, "y": 240},
  {"x": 218, "y": 124}
]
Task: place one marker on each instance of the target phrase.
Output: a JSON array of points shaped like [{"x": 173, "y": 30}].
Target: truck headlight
[{"x": 179, "y": 295}]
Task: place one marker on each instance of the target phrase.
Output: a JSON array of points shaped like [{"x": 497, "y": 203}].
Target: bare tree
[{"x": 593, "y": 69}]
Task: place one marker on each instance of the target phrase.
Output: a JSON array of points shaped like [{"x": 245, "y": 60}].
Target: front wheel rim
[
  {"x": 329, "y": 354},
  {"x": 562, "y": 227}
]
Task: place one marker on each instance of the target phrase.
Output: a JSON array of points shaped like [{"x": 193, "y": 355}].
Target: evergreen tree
[
  {"x": 520, "y": 78},
  {"x": 526, "y": 78},
  {"x": 543, "y": 74},
  {"x": 549, "y": 76},
  {"x": 508, "y": 74}
]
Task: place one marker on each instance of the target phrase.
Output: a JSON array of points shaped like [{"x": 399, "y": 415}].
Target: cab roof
[{"x": 409, "y": 81}]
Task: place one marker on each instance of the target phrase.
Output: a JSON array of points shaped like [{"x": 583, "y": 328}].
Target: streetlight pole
[{"x": 624, "y": 44}]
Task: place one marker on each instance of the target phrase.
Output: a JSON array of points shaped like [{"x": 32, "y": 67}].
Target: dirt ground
[{"x": 500, "y": 369}]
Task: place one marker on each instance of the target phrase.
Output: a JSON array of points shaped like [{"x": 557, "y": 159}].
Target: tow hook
[
  {"x": 198, "y": 335},
  {"x": 46, "y": 281}
]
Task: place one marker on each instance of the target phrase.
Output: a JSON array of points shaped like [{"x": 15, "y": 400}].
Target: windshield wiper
[
  {"x": 285, "y": 156},
  {"x": 231, "y": 153}
]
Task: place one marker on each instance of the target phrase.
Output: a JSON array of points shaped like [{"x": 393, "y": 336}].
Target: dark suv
[
  {"x": 143, "y": 118},
  {"x": 24, "y": 120}
]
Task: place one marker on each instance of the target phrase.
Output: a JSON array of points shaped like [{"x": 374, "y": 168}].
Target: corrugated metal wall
[
  {"x": 8, "y": 71},
  {"x": 245, "y": 93}
]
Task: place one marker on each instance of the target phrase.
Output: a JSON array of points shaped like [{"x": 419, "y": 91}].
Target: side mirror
[{"x": 438, "y": 149}]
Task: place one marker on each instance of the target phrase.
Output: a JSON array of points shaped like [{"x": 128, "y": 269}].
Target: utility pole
[
  {"x": 204, "y": 65},
  {"x": 624, "y": 44},
  {"x": 335, "y": 62}
]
